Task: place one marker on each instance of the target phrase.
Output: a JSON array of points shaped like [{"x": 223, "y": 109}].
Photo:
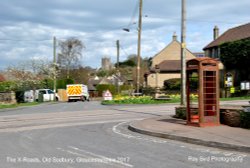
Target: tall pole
[
  {"x": 117, "y": 65},
  {"x": 118, "y": 54},
  {"x": 54, "y": 62},
  {"x": 139, "y": 48},
  {"x": 183, "y": 53}
]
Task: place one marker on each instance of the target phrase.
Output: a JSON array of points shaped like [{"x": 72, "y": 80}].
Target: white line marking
[
  {"x": 203, "y": 150},
  {"x": 117, "y": 131},
  {"x": 108, "y": 160}
]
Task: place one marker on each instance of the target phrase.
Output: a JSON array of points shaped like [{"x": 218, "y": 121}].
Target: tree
[
  {"x": 81, "y": 74},
  {"x": 128, "y": 67},
  {"x": 29, "y": 74},
  {"x": 70, "y": 54},
  {"x": 236, "y": 56}
]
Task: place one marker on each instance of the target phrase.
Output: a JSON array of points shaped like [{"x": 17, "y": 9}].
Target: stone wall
[
  {"x": 7, "y": 98},
  {"x": 232, "y": 117}
]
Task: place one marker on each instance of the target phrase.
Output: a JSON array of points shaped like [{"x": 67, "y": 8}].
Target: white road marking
[
  {"x": 102, "y": 157},
  {"x": 117, "y": 131},
  {"x": 105, "y": 159},
  {"x": 191, "y": 147}
]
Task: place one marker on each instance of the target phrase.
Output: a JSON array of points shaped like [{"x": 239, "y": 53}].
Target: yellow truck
[{"x": 77, "y": 92}]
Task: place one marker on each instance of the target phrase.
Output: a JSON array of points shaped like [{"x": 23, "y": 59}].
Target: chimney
[
  {"x": 216, "y": 32},
  {"x": 174, "y": 37}
]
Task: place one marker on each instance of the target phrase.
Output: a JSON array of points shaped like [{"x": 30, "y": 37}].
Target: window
[
  {"x": 50, "y": 92},
  {"x": 42, "y": 92}
]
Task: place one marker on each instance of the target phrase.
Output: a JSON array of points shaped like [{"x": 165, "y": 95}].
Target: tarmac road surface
[{"x": 72, "y": 135}]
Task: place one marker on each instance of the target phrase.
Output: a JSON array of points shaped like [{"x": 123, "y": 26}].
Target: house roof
[
  {"x": 93, "y": 81},
  {"x": 233, "y": 34},
  {"x": 171, "y": 52},
  {"x": 169, "y": 66},
  {"x": 91, "y": 87}
]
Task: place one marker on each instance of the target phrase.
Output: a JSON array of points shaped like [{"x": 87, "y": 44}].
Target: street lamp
[{"x": 126, "y": 29}]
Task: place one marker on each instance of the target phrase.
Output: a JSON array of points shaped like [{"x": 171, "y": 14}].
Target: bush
[
  {"x": 180, "y": 112},
  {"x": 172, "y": 84},
  {"x": 133, "y": 100},
  {"x": 245, "y": 119},
  {"x": 61, "y": 84},
  {"x": 175, "y": 84},
  {"x": 8, "y": 86},
  {"x": 126, "y": 90},
  {"x": 148, "y": 91},
  {"x": 126, "y": 87},
  {"x": 102, "y": 87}
]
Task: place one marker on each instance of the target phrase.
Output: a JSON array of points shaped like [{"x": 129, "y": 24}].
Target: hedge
[{"x": 102, "y": 87}]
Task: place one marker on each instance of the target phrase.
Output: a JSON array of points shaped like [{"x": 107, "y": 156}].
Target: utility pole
[
  {"x": 183, "y": 53},
  {"x": 118, "y": 54},
  {"x": 55, "y": 66},
  {"x": 139, "y": 48},
  {"x": 117, "y": 65}
]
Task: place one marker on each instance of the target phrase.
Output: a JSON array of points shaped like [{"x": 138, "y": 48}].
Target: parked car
[{"x": 48, "y": 95}]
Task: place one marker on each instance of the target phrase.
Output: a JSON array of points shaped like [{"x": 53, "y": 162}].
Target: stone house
[
  {"x": 168, "y": 60},
  {"x": 110, "y": 80},
  {"x": 234, "y": 34},
  {"x": 213, "y": 48}
]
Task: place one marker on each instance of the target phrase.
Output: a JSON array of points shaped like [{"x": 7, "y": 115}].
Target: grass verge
[
  {"x": 5, "y": 106},
  {"x": 235, "y": 98},
  {"x": 137, "y": 100}
]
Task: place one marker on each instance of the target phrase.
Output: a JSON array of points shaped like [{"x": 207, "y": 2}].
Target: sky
[{"x": 27, "y": 27}]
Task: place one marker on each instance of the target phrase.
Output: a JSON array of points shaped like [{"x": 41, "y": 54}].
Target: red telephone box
[{"x": 203, "y": 80}]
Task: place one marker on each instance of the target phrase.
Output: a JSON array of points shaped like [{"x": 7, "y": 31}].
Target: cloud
[{"x": 27, "y": 27}]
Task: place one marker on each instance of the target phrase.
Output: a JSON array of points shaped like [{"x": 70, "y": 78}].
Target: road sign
[
  {"x": 232, "y": 90},
  {"x": 245, "y": 85},
  {"x": 107, "y": 95}
]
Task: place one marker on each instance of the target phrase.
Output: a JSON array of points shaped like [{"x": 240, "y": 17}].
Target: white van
[
  {"x": 48, "y": 95},
  {"x": 29, "y": 96},
  {"x": 77, "y": 92}
]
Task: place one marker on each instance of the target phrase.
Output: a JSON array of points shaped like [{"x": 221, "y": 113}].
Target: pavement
[{"x": 223, "y": 137}]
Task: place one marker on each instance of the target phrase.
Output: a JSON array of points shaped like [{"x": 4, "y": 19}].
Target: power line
[
  {"x": 132, "y": 20},
  {"x": 123, "y": 50}
]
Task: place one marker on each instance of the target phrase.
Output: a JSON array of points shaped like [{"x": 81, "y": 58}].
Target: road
[{"x": 72, "y": 135}]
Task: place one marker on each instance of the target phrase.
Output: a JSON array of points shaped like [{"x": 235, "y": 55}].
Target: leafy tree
[
  {"x": 62, "y": 83},
  {"x": 81, "y": 74},
  {"x": 70, "y": 54},
  {"x": 102, "y": 73},
  {"x": 127, "y": 63},
  {"x": 236, "y": 56},
  {"x": 29, "y": 75}
]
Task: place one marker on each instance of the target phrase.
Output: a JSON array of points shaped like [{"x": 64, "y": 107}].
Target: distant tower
[{"x": 106, "y": 64}]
